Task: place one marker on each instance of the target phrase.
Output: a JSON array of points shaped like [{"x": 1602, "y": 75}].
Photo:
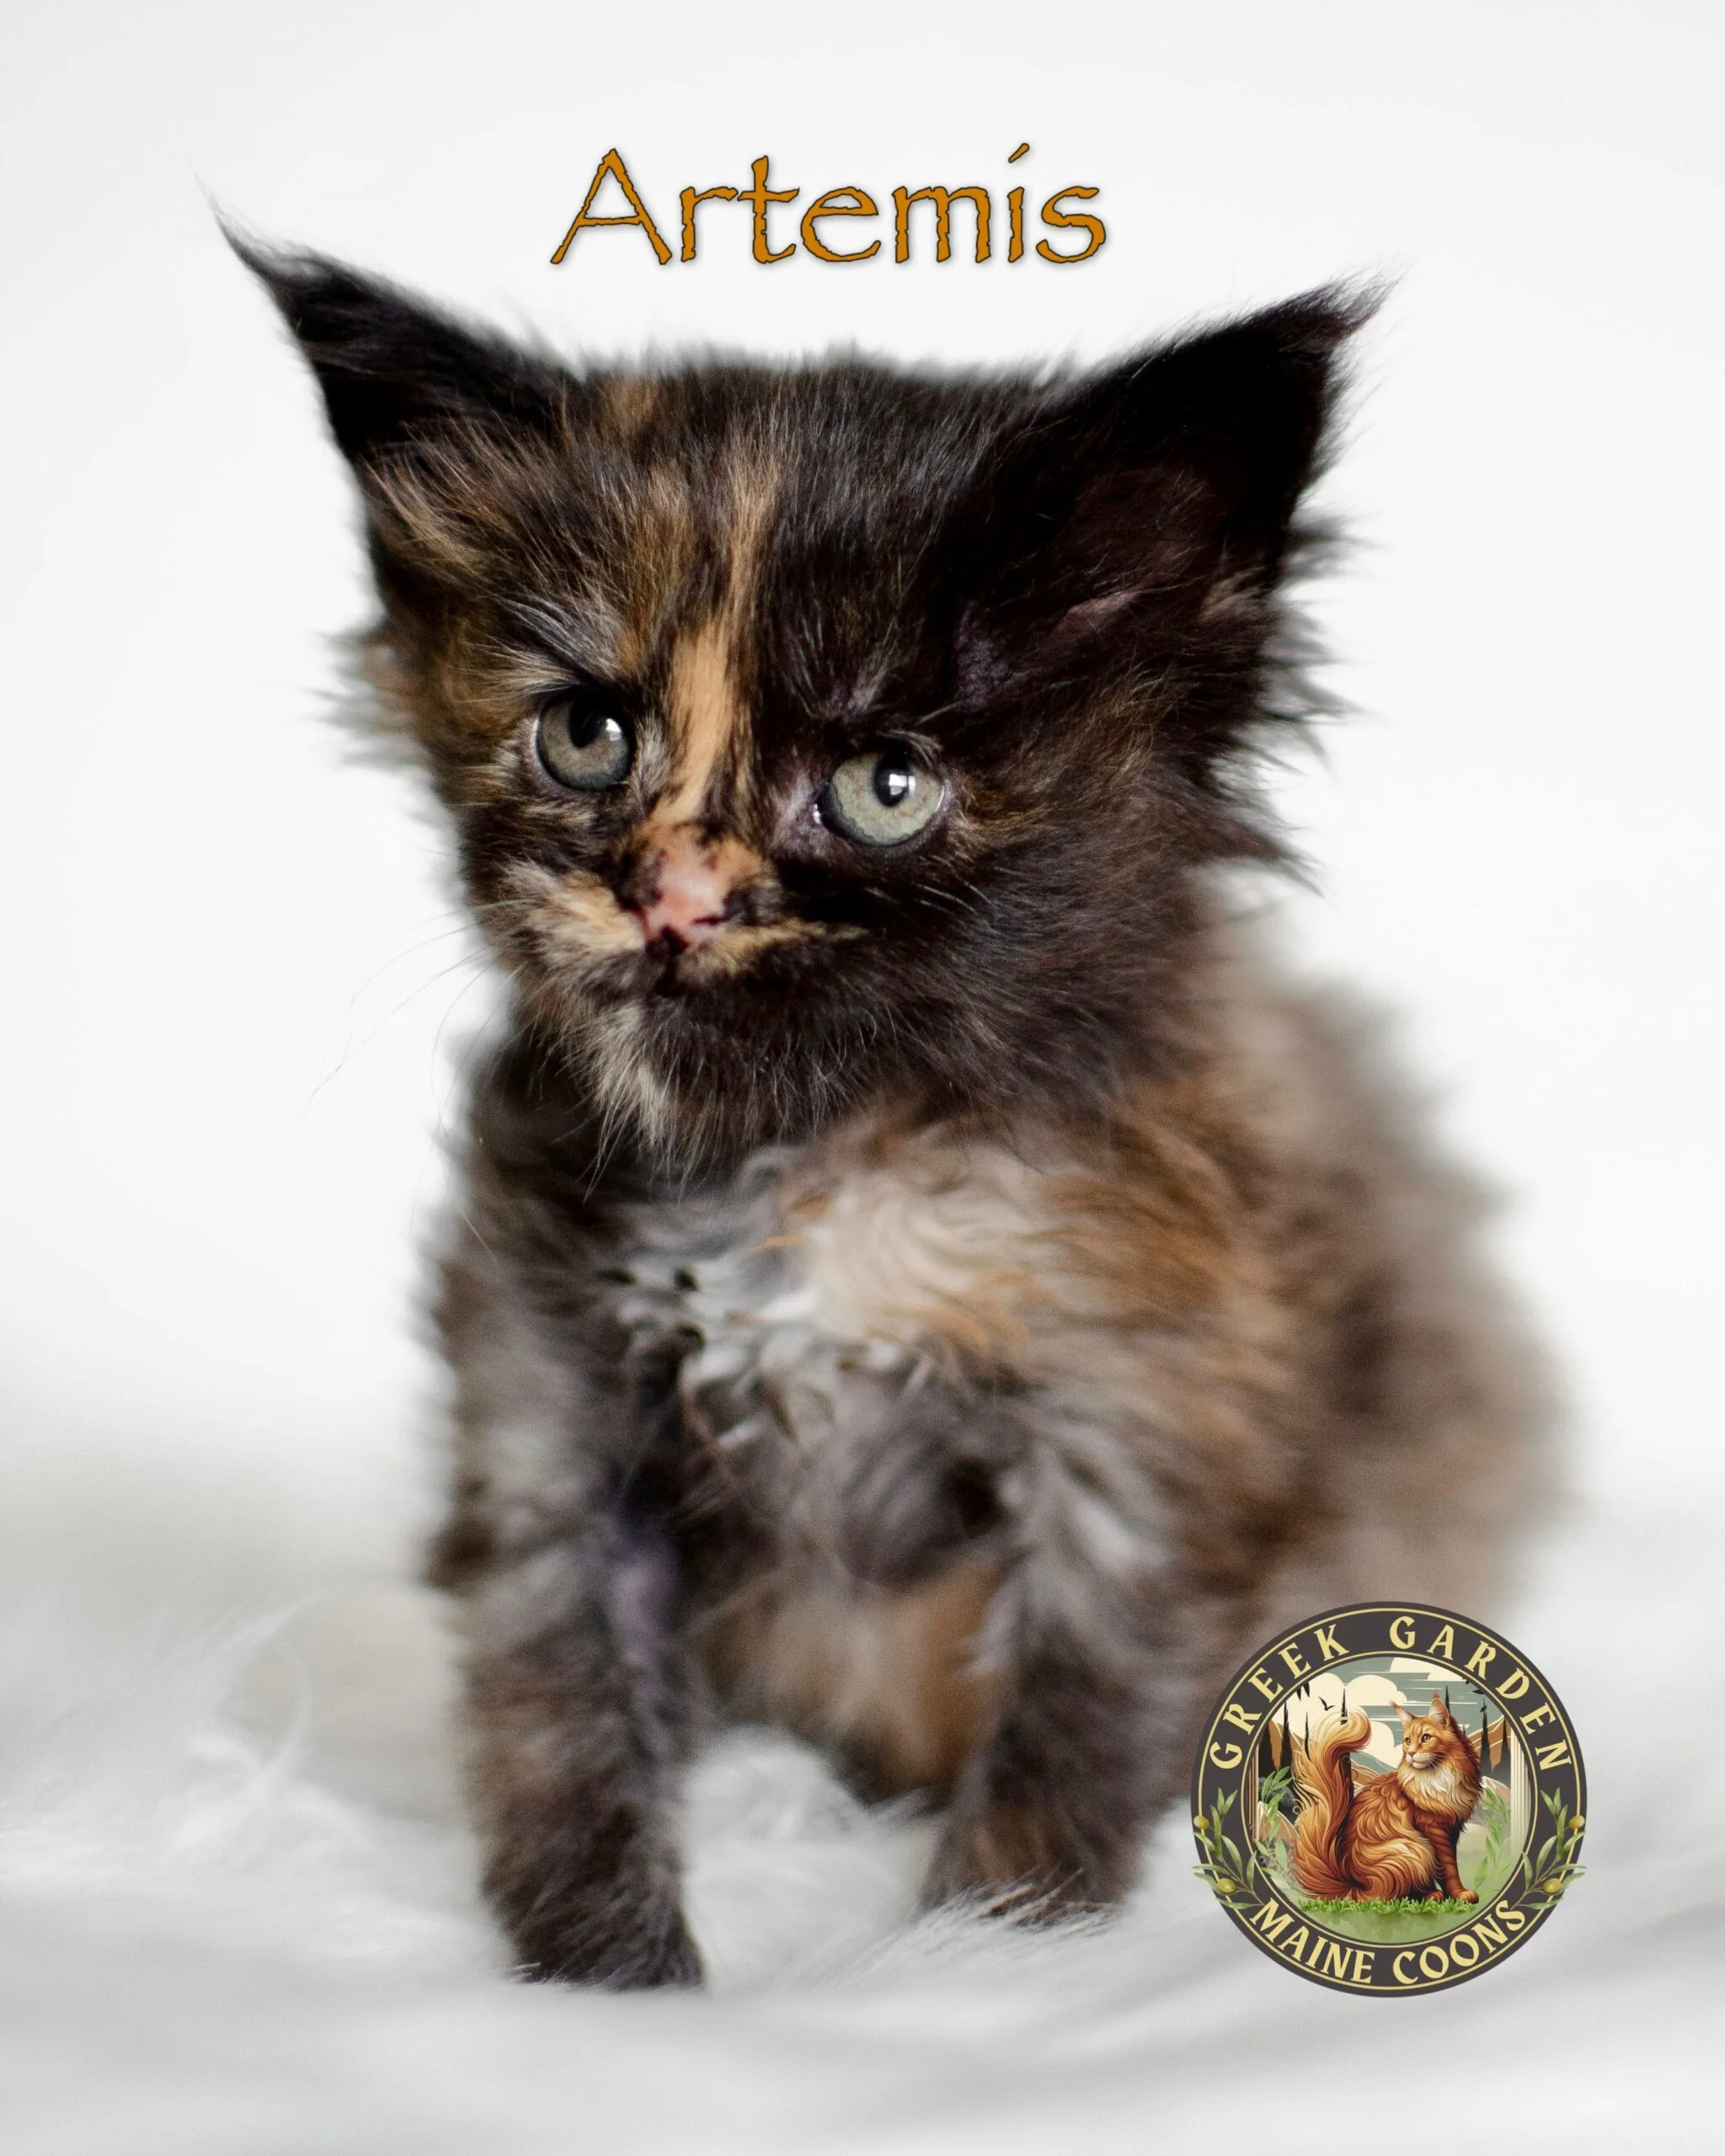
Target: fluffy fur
[
  {"x": 941, "y": 1295},
  {"x": 1395, "y": 1838}
]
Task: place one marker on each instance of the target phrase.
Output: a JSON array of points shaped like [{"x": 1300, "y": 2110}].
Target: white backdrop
[{"x": 233, "y": 976}]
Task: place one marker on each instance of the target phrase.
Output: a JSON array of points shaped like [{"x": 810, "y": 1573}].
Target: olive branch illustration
[
  {"x": 1222, "y": 1868},
  {"x": 1554, "y": 1868}
]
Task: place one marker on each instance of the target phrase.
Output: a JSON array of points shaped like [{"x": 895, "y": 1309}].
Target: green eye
[
  {"x": 881, "y": 798},
  {"x": 583, "y": 745}
]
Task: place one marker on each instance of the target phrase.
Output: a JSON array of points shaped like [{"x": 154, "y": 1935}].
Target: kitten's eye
[
  {"x": 583, "y": 745},
  {"x": 881, "y": 798}
]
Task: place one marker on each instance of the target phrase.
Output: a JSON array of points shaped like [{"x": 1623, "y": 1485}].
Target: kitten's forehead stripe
[
  {"x": 661, "y": 551},
  {"x": 706, "y": 693},
  {"x": 754, "y": 485},
  {"x": 707, "y": 712}
]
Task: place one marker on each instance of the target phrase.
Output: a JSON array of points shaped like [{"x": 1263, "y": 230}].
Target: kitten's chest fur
[
  {"x": 899, "y": 1355},
  {"x": 868, "y": 1334},
  {"x": 852, "y": 1322},
  {"x": 857, "y": 1318}
]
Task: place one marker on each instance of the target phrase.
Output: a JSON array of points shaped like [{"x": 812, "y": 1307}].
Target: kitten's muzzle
[{"x": 689, "y": 887}]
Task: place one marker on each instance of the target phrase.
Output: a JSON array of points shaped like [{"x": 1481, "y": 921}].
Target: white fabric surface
[{"x": 239, "y": 1914}]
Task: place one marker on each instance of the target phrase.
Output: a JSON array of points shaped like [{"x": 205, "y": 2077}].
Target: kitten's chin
[
  {"x": 632, "y": 1096},
  {"x": 673, "y": 1081}
]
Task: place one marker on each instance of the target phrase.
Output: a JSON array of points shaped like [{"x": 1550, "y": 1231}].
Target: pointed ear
[
  {"x": 392, "y": 370},
  {"x": 1165, "y": 476},
  {"x": 1407, "y": 1714},
  {"x": 1439, "y": 1712}
]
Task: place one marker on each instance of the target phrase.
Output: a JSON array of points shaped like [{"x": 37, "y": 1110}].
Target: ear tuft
[{"x": 392, "y": 370}]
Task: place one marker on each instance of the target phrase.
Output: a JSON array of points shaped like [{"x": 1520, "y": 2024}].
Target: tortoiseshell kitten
[{"x": 918, "y": 1279}]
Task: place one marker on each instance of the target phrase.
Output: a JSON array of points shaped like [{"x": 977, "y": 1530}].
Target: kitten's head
[{"x": 821, "y": 734}]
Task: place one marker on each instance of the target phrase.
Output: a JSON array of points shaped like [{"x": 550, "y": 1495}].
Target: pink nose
[{"x": 688, "y": 885}]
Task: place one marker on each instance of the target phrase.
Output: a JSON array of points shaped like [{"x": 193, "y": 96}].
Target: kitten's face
[
  {"x": 717, "y": 811},
  {"x": 819, "y": 735}
]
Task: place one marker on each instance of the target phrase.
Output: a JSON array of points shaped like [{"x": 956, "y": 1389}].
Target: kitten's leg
[
  {"x": 576, "y": 1671},
  {"x": 1102, "y": 1691},
  {"x": 573, "y": 1724}
]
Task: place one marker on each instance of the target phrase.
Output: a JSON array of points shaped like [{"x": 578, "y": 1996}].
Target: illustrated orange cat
[{"x": 1394, "y": 1840}]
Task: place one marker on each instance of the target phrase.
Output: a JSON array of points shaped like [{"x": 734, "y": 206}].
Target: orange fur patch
[
  {"x": 734, "y": 950},
  {"x": 892, "y": 1674},
  {"x": 943, "y": 1235},
  {"x": 706, "y": 702},
  {"x": 576, "y": 915},
  {"x": 626, "y": 404},
  {"x": 707, "y": 715},
  {"x": 662, "y": 547}
]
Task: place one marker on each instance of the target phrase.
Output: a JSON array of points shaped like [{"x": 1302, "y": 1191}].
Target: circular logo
[{"x": 1389, "y": 1799}]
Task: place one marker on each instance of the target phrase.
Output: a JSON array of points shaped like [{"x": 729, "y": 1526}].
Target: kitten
[
  {"x": 918, "y": 1279},
  {"x": 1394, "y": 1839}
]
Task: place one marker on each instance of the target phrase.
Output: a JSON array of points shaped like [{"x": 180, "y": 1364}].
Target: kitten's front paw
[
  {"x": 632, "y": 1956},
  {"x": 1017, "y": 1864}
]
